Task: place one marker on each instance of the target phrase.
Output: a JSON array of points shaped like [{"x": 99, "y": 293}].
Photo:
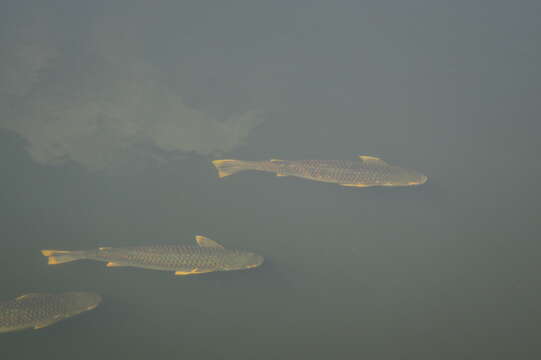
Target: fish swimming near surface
[
  {"x": 206, "y": 256},
  {"x": 365, "y": 172},
  {"x": 38, "y": 310}
]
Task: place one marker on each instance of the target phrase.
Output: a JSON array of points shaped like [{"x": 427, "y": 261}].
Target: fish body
[
  {"x": 39, "y": 310},
  {"x": 366, "y": 171},
  {"x": 206, "y": 256}
]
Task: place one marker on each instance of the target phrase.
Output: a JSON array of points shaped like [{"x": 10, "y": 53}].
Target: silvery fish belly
[
  {"x": 206, "y": 256},
  {"x": 39, "y": 310},
  {"x": 366, "y": 171}
]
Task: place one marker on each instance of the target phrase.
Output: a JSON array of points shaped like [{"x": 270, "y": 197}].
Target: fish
[
  {"x": 207, "y": 256},
  {"x": 39, "y": 310},
  {"x": 367, "y": 171}
]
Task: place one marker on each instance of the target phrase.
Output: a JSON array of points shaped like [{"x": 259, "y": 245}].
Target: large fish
[
  {"x": 367, "y": 171},
  {"x": 206, "y": 256},
  {"x": 39, "y": 310}
]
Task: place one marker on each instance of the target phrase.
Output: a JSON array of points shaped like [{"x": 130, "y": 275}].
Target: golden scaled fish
[
  {"x": 39, "y": 310},
  {"x": 206, "y": 256},
  {"x": 365, "y": 172}
]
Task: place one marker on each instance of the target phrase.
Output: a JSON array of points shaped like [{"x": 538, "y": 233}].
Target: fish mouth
[
  {"x": 422, "y": 180},
  {"x": 257, "y": 261},
  {"x": 256, "y": 264},
  {"x": 95, "y": 305}
]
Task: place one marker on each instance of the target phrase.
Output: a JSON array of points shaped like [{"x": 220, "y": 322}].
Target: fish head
[
  {"x": 82, "y": 301},
  {"x": 239, "y": 260},
  {"x": 404, "y": 177}
]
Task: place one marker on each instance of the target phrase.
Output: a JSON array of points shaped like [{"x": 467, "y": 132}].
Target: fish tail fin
[
  {"x": 62, "y": 256},
  {"x": 228, "y": 167}
]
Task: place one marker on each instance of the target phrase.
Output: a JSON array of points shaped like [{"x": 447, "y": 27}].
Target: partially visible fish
[
  {"x": 367, "y": 171},
  {"x": 38, "y": 310},
  {"x": 207, "y": 256}
]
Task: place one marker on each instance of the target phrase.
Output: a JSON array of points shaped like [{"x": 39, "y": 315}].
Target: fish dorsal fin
[
  {"x": 372, "y": 160},
  {"x": 276, "y": 160},
  {"x": 28, "y": 296},
  {"x": 207, "y": 243}
]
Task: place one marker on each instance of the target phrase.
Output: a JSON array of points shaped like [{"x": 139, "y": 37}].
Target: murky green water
[{"x": 446, "y": 270}]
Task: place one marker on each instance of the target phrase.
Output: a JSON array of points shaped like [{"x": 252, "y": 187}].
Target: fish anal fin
[
  {"x": 203, "y": 241},
  {"x": 355, "y": 185},
  {"x": 113, "y": 264},
  {"x": 192, "y": 272},
  {"x": 372, "y": 160}
]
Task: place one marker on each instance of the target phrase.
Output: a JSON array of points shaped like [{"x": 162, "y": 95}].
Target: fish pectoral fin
[
  {"x": 279, "y": 174},
  {"x": 113, "y": 264},
  {"x": 205, "y": 242},
  {"x": 372, "y": 160},
  {"x": 104, "y": 248},
  {"x": 276, "y": 160},
  {"x": 183, "y": 272},
  {"x": 202, "y": 271},
  {"x": 355, "y": 185},
  {"x": 192, "y": 271},
  {"x": 43, "y": 324}
]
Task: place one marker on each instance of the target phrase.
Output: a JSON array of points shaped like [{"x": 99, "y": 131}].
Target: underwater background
[{"x": 110, "y": 115}]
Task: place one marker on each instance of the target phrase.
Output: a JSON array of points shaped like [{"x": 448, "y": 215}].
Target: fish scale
[
  {"x": 41, "y": 310},
  {"x": 182, "y": 259},
  {"x": 170, "y": 256},
  {"x": 366, "y": 171}
]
